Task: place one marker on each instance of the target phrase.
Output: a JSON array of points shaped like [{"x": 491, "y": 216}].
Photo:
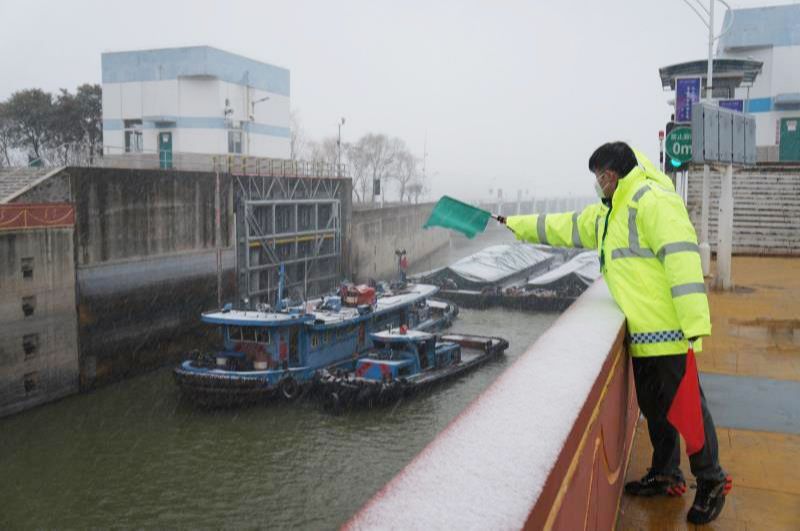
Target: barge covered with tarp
[
  {"x": 502, "y": 265},
  {"x": 549, "y": 285}
]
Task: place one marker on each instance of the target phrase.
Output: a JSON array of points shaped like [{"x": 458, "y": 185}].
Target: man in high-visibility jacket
[{"x": 649, "y": 258}]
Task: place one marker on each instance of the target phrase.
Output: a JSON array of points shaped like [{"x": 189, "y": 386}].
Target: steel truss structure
[{"x": 294, "y": 221}]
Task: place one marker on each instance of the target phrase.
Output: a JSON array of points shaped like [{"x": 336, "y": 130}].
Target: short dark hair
[{"x": 616, "y": 156}]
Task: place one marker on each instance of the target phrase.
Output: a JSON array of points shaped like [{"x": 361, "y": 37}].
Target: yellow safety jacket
[{"x": 648, "y": 257}]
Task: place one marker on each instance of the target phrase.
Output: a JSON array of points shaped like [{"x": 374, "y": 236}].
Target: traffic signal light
[{"x": 673, "y": 165}]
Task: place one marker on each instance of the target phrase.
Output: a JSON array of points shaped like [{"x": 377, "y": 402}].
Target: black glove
[{"x": 501, "y": 219}]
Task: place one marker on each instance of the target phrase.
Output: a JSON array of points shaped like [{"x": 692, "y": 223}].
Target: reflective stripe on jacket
[{"x": 649, "y": 259}]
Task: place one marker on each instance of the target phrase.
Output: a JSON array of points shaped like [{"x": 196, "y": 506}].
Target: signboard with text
[
  {"x": 734, "y": 105},
  {"x": 687, "y": 93},
  {"x": 678, "y": 144}
]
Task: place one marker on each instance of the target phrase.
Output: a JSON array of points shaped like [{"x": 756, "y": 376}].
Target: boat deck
[{"x": 750, "y": 372}]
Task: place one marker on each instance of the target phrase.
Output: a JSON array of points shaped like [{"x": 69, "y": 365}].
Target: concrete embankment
[{"x": 378, "y": 232}]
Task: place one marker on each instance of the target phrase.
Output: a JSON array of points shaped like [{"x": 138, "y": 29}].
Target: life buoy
[{"x": 289, "y": 388}]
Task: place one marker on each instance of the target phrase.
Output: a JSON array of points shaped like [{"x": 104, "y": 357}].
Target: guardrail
[
  {"x": 233, "y": 164},
  {"x": 545, "y": 446}
]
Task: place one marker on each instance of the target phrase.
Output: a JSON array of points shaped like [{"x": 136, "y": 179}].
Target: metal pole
[
  {"x": 218, "y": 239},
  {"x": 705, "y": 248},
  {"x": 710, "y": 73}
]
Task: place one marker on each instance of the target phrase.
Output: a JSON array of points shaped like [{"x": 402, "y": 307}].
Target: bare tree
[
  {"x": 418, "y": 187},
  {"x": 359, "y": 170},
  {"x": 378, "y": 152},
  {"x": 405, "y": 167},
  {"x": 298, "y": 143},
  {"x": 323, "y": 152}
]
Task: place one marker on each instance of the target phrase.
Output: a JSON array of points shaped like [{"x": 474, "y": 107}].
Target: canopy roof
[{"x": 728, "y": 72}]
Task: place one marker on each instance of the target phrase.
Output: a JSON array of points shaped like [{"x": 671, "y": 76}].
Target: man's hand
[{"x": 501, "y": 219}]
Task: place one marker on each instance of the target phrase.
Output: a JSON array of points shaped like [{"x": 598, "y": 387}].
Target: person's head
[{"x": 610, "y": 163}]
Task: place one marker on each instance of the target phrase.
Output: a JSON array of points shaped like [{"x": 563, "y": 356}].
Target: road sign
[{"x": 678, "y": 144}]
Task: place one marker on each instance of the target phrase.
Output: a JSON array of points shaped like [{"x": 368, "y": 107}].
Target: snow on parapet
[{"x": 488, "y": 467}]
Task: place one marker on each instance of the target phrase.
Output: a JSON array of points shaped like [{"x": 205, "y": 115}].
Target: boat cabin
[{"x": 404, "y": 353}]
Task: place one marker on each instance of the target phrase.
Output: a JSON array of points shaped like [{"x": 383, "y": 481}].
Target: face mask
[{"x": 599, "y": 189}]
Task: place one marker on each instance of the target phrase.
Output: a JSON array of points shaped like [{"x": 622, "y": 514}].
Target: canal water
[{"x": 135, "y": 455}]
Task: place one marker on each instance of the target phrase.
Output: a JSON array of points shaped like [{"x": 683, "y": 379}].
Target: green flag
[{"x": 453, "y": 214}]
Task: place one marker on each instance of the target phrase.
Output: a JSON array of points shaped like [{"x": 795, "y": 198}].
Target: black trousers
[{"x": 657, "y": 379}]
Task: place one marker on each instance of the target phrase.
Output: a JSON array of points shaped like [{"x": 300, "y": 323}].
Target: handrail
[
  {"x": 509, "y": 460},
  {"x": 235, "y": 164}
]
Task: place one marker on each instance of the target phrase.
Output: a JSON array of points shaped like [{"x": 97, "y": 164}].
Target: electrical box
[
  {"x": 750, "y": 139},
  {"x": 738, "y": 151},
  {"x": 722, "y": 135},
  {"x": 725, "y": 136}
]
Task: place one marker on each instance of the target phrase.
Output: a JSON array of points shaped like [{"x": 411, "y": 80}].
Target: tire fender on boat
[
  {"x": 333, "y": 404},
  {"x": 289, "y": 388}
]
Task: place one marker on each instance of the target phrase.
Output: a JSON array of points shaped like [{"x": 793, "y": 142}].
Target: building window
[
  {"x": 235, "y": 142},
  {"x": 30, "y": 344},
  {"x": 30, "y": 381},
  {"x": 28, "y": 305},
  {"x": 27, "y": 268},
  {"x": 133, "y": 136}
]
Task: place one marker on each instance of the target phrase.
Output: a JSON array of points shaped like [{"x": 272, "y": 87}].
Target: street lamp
[
  {"x": 253, "y": 119},
  {"x": 711, "y": 38},
  {"x": 253, "y": 107},
  {"x": 340, "y": 123},
  {"x": 704, "y": 246}
]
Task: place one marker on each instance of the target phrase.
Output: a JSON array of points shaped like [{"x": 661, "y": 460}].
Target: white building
[
  {"x": 194, "y": 100},
  {"x": 770, "y": 35}
]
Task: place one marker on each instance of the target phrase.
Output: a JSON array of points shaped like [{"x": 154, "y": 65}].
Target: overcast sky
[{"x": 510, "y": 94}]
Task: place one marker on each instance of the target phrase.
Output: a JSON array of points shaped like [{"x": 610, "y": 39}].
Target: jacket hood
[{"x": 652, "y": 172}]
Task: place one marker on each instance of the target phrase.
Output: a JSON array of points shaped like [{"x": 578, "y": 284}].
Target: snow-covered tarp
[
  {"x": 490, "y": 266},
  {"x": 575, "y": 275}
]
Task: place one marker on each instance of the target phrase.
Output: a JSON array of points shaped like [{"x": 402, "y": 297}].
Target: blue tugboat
[
  {"x": 277, "y": 351},
  {"x": 403, "y": 362}
]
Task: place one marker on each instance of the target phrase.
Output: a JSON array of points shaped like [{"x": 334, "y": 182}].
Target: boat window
[
  {"x": 314, "y": 340},
  {"x": 249, "y": 334},
  {"x": 262, "y": 335},
  {"x": 235, "y": 333}
]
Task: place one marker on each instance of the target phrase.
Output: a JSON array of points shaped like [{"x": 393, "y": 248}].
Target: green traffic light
[{"x": 675, "y": 163}]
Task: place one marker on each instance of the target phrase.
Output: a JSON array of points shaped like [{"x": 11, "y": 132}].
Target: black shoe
[
  {"x": 709, "y": 500},
  {"x": 654, "y": 484}
]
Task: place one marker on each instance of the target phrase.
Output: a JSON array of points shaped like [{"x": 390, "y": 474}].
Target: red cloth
[
  {"x": 685, "y": 412},
  {"x": 403, "y": 263},
  {"x": 282, "y": 349}
]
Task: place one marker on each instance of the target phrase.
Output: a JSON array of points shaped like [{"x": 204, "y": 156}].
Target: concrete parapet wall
[
  {"x": 376, "y": 233},
  {"x": 126, "y": 214},
  {"x": 766, "y": 212},
  {"x": 38, "y": 328},
  {"x": 146, "y": 265},
  {"x": 545, "y": 446}
]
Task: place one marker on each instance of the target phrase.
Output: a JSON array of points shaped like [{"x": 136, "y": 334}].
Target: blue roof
[
  {"x": 169, "y": 63},
  {"x": 762, "y": 26}
]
